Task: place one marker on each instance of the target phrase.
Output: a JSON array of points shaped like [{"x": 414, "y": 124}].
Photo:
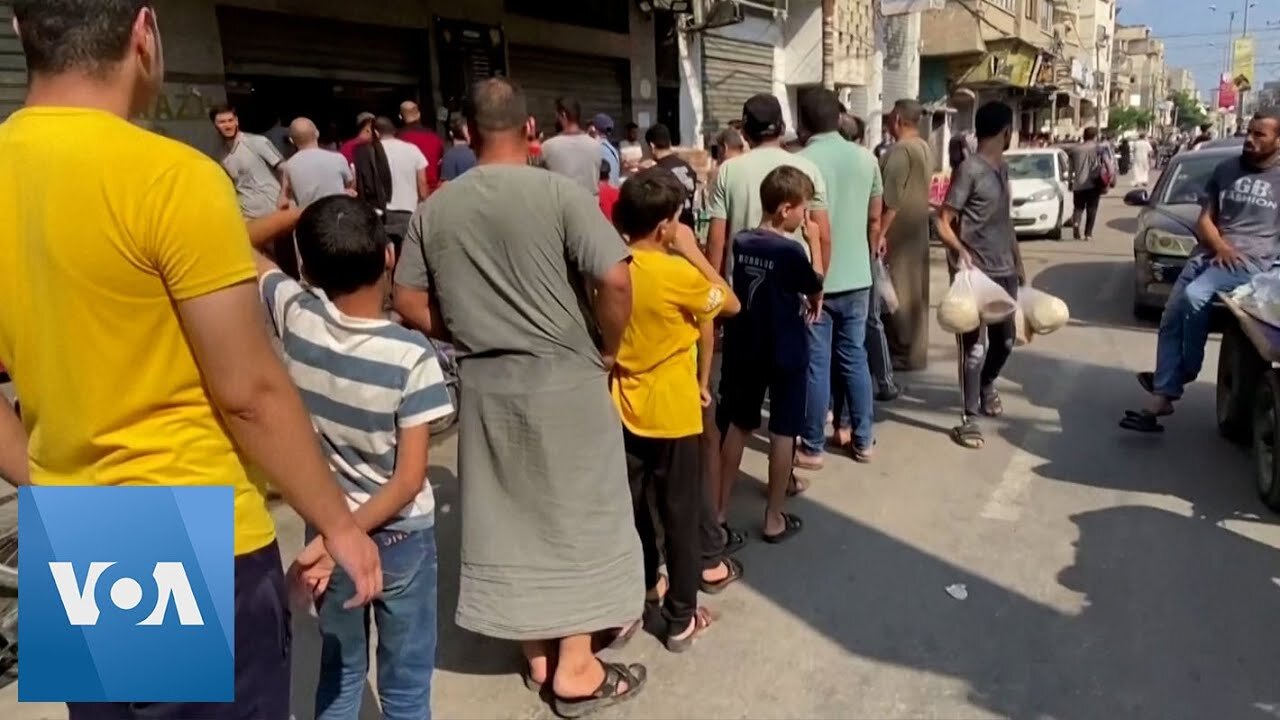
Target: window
[
  {"x": 1046, "y": 15},
  {"x": 1030, "y": 8},
  {"x": 1006, "y": 5}
]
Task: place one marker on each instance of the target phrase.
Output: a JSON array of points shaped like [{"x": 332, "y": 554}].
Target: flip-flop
[
  {"x": 625, "y": 634},
  {"x": 792, "y": 525},
  {"x": 1148, "y": 382},
  {"x": 795, "y": 486},
  {"x": 608, "y": 694},
  {"x": 733, "y": 539},
  {"x": 990, "y": 404},
  {"x": 968, "y": 435},
  {"x": 719, "y": 586},
  {"x": 1143, "y": 421},
  {"x": 530, "y": 684},
  {"x": 805, "y": 462},
  {"x": 702, "y": 619},
  {"x": 864, "y": 455}
]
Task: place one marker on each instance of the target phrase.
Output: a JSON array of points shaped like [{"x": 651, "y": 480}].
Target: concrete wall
[
  {"x": 755, "y": 28},
  {"x": 193, "y": 51}
]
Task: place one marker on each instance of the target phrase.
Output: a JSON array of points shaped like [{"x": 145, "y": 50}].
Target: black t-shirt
[
  {"x": 687, "y": 177},
  {"x": 771, "y": 275}
]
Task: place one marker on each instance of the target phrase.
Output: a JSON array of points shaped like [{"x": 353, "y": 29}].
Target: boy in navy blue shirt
[{"x": 765, "y": 347}]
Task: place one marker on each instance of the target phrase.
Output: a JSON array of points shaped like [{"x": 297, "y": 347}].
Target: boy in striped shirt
[{"x": 372, "y": 387}]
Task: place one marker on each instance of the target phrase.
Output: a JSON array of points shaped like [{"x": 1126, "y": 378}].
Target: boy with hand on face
[
  {"x": 659, "y": 386},
  {"x": 765, "y": 347}
]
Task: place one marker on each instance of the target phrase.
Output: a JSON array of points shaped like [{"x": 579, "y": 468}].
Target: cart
[{"x": 1248, "y": 394}]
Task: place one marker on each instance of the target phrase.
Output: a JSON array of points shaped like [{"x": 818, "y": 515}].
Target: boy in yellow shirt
[{"x": 660, "y": 393}]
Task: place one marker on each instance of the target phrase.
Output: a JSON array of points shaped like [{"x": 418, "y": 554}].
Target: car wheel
[
  {"x": 1056, "y": 232},
  {"x": 1266, "y": 423}
]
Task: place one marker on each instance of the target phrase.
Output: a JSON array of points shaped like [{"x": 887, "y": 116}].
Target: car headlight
[
  {"x": 1161, "y": 242},
  {"x": 1042, "y": 195}
]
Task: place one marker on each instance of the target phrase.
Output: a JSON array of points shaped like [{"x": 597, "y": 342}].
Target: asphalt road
[{"x": 1108, "y": 575}]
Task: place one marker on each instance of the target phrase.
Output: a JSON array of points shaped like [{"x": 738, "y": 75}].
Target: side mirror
[{"x": 1137, "y": 197}]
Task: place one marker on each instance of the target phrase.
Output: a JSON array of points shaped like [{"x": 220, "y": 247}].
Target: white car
[{"x": 1040, "y": 183}]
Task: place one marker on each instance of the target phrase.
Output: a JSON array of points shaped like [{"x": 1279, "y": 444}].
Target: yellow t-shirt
[
  {"x": 656, "y": 375},
  {"x": 105, "y": 226}
]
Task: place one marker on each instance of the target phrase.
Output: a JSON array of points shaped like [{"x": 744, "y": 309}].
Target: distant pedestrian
[
  {"x": 608, "y": 193},
  {"x": 252, "y": 162},
  {"x": 601, "y": 128},
  {"x": 1088, "y": 182},
  {"x": 520, "y": 267},
  {"x": 364, "y": 133},
  {"x": 312, "y": 173},
  {"x": 459, "y": 158},
  {"x": 630, "y": 149},
  {"x": 978, "y": 203},
  {"x": 572, "y": 152},
  {"x": 659, "y": 139},
  {"x": 1142, "y": 152},
  {"x": 424, "y": 138},
  {"x": 904, "y": 242},
  {"x": 409, "y": 183}
]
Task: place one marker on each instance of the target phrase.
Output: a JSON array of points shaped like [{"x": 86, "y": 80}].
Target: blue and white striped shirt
[{"x": 361, "y": 380}]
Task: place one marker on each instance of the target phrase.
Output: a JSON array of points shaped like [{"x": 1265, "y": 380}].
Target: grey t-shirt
[
  {"x": 315, "y": 173},
  {"x": 576, "y": 157},
  {"x": 1246, "y": 207},
  {"x": 509, "y": 252},
  {"x": 979, "y": 193},
  {"x": 251, "y": 162}
]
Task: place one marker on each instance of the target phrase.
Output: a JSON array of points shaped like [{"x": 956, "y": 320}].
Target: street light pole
[{"x": 1244, "y": 32}]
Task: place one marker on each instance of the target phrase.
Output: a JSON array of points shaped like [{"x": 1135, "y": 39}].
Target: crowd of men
[{"x": 611, "y": 366}]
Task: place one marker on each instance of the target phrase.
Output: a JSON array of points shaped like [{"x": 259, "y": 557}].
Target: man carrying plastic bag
[
  {"x": 977, "y": 205},
  {"x": 1237, "y": 229}
]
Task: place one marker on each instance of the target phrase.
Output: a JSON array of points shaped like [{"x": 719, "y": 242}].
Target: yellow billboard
[{"x": 1242, "y": 59}]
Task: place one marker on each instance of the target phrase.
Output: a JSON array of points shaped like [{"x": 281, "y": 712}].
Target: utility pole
[
  {"x": 1244, "y": 32},
  {"x": 829, "y": 44}
]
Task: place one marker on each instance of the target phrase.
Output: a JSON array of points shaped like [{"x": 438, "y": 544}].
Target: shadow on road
[
  {"x": 1079, "y": 284},
  {"x": 1160, "y": 636},
  {"x": 1125, "y": 225}
]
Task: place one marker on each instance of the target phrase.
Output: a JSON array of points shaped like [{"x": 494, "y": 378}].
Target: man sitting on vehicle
[{"x": 1238, "y": 229}]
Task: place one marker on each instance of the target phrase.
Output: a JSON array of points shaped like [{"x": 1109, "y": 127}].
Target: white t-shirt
[{"x": 406, "y": 161}]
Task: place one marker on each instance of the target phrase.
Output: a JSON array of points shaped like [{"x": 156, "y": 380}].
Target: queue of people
[{"x": 596, "y": 413}]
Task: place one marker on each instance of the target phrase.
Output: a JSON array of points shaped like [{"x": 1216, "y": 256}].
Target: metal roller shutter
[
  {"x": 600, "y": 84},
  {"x": 734, "y": 71},
  {"x": 13, "y": 66},
  {"x": 265, "y": 43}
]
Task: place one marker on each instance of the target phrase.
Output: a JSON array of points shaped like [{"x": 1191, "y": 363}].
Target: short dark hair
[
  {"x": 87, "y": 35},
  {"x": 785, "y": 184},
  {"x": 495, "y": 106},
  {"x": 730, "y": 137},
  {"x": 1090, "y": 133},
  {"x": 658, "y": 137},
  {"x": 631, "y": 126},
  {"x": 221, "y": 109},
  {"x": 819, "y": 111},
  {"x": 385, "y": 126},
  {"x": 342, "y": 244},
  {"x": 909, "y": 111},
  {"x": 852, "y": 128},
  {"x": 571, "y": 108},
  {"x": 1267, "y": 112},
  {"x": 992, "y": 119},
  {"x": 649, "y": 197}
]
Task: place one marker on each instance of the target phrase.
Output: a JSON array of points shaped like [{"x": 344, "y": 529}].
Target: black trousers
[
  {"x": 670, "y": 469},
  {"x": 983, "y": 353},
  {"x": 1086, "y": 203}
]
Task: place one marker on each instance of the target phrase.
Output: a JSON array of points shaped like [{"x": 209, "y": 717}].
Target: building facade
[
  {"x": 1097, "y": 33},
  {"x": 1145, "y": 83},
  {"x": 330, "y": 60}
]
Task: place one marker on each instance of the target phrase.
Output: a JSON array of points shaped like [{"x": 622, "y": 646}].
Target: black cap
[{"x": 762, "y": 117}]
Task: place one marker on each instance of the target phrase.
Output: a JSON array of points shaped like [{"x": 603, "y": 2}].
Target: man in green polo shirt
[{"x": 854, "y": 188}]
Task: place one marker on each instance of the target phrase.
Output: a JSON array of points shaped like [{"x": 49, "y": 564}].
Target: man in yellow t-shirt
[
  {"x": 660, "y": 392},
  {"x": 130, "y": 322}
]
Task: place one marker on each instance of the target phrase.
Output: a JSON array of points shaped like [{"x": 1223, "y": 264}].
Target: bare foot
[
  {"x": 716, "y": 574},
  {"x": 584, "y": 682},
  {"x": 842, "y": 437},
  {"x": 774, "y": 523},
  {"x": 1160, "y": 405},
  {"x": 808, "y": 461}
]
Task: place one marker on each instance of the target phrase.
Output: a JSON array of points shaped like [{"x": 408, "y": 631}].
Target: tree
[
  {"x": 1129, "y": 118},
  {"x": 1190, "y": 114}
]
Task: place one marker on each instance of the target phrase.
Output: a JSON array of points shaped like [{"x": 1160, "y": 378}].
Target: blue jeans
[
  {"x": 1184, "y": 326},
  {"x": 406, "y": 620},
  {"x": 840, "y": 331}
]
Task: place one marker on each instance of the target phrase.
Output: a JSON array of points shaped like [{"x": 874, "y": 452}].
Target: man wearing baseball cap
[
  {"x": 735, "y": 197},
  {"x": 601, "y": 128}
]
